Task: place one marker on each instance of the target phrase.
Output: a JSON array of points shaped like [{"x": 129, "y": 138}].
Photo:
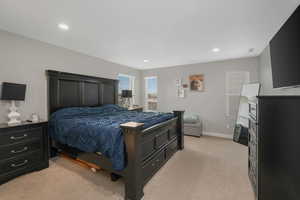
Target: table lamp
[
  {"x": 13, "y": 92},
  {"x": 127, "y": 95}
]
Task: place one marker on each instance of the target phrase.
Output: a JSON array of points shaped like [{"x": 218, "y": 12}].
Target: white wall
[
  {"x": 211, "y": 104},
  {"x": 24, "y": 60},
  {"x": 265, "y": 77}
]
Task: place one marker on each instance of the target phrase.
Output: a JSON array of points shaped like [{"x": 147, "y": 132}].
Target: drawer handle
[
  {"x": 19, "y": 151},
  {"x": 20, "y": 164},
  {"x": 18, "y": 138}
]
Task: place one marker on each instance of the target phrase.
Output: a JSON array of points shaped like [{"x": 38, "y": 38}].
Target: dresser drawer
[
  {"x": 154, "y": 142},
  {"x": 153, "y": 165},
  {"x": 172, "y": 133},
  {"x": 171, "y": 149},
  {"x": 161, "y": 139},
  {"x": 16, "y": 136},
  {"x": 148, "y": 148},
  {"x": 27, "y": 160},
  {"x": 17, "y": 149}
]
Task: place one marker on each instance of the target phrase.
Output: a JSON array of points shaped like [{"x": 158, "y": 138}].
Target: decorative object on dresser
[
  {"x": 23, "y": 149},
  {"x": 136, "y": 108},
  {"x": 274, "y": 147},
  {"x": 146, "y": 149},
  {"x": 13, "y": 92},
  {"x": 35, "y": 118},
  {"x": 126, "y": 98}
]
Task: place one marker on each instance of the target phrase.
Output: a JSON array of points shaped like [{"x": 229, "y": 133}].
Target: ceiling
[{"x": 165, "y": 32}]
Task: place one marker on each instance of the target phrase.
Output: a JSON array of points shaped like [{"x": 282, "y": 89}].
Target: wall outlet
[{"x": 227, "y": 126}]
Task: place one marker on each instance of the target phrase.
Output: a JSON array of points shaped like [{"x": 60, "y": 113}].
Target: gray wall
[
  {"x": 265, "y": 77},
  {"x": 24, "y": 60},
  {"x": 211, "y": 104}
]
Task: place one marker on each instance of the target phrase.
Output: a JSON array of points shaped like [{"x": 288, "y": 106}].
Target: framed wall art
[{"x": 197, "y": 82}]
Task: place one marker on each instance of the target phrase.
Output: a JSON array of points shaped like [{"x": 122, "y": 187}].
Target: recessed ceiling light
[
  {"x": 63, "y": 26},
  {"x": 145, "y": 61},
  {"x": 251, "y": 50},
  {"x": 216, "y": 50}
]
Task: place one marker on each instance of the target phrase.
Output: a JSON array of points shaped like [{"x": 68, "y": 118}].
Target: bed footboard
[
  {"x": 148, "y": 150},
  {"x": 179, "y": 126}
]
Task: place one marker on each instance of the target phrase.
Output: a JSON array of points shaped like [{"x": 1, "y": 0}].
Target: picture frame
[{"x": 197, "y": 82}]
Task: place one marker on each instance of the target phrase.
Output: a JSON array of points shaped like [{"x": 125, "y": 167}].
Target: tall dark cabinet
[{"x": 274, "y": 147}]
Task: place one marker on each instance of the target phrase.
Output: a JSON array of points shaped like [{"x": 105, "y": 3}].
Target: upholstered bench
[{"x": 192, "y": 125}]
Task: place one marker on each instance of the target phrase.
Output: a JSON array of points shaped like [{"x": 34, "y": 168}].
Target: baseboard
[{"x": 220, "y": 135}]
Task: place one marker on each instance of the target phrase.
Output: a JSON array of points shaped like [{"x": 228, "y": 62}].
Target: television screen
[
  {"x": 285, "y": 53},
  {"x": 13, "y": 91}
]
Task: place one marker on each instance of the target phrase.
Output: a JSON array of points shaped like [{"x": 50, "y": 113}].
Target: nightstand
[
  {"x": 24, "y": 148},
  {"x": 136, "y": 108}
]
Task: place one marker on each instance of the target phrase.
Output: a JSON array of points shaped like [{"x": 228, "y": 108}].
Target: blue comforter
[{"x": 98, "y": 129}]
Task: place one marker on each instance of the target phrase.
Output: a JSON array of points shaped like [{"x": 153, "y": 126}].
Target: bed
[{"x": 86, "y": 123}]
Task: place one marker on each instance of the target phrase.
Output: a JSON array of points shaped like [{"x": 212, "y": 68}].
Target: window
[
  {"x": 151, "y": 93},
  {"x": 126, "y": 82}
]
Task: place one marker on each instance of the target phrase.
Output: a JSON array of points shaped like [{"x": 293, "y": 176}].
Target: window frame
[
  {"x": 146, "y": 92},
  {"x": 131, "y": 85}
]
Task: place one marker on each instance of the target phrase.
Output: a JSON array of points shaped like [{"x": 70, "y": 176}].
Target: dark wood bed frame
[{"x": 147, "y": 150}]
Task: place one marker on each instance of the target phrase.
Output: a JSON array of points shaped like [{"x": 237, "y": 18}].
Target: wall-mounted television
[{"x": 285, "y": 53}]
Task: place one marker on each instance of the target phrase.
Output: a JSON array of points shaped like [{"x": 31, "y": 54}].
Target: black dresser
[
  {"x": 23, "y": 149},
  {"x": 274, "y": 147}
]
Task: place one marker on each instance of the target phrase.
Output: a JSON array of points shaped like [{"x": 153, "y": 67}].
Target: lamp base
[
  {"x": 125, "y": 102},
  {"x": 13, "y": 116},
  {"x": 12, "y": 122}
]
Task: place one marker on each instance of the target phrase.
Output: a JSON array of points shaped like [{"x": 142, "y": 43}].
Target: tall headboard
[{"x": 74, "y": 90}]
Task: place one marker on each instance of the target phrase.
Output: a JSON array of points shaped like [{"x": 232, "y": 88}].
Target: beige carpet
[{"x": 208, "y": 169}]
